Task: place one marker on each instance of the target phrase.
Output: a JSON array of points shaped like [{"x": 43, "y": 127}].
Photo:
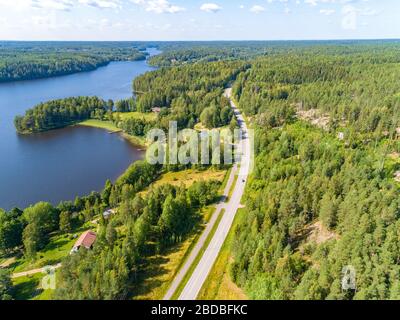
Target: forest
[
  {"x": 30, "y": 60},
  {"x": 323, "y": 195},
  {"x": 189, "y": 94},
  {"x": 60, "y": 113}
]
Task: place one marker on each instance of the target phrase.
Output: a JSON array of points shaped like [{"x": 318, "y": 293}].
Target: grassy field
[
  {"x": 137, "y": 115},
  {"x": 112, "y": 128},
  {"x": 218, "y": 285},
  {"x": 107, "y": 125},
  {"x": 30, "y": 288},
  {"x": 188, "y": 177},
  {"x": 57, "y": 249}
]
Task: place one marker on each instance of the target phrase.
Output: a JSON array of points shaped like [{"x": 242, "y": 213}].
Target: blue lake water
[{"x": 62, "y": 164}]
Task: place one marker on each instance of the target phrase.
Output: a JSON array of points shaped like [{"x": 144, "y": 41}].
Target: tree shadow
[
  {"x": 145, "y": 281},
  {"x": 27, "y": 290}
]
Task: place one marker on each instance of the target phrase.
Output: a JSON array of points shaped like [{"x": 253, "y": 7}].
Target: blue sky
[{"x": 198, "y": 20}]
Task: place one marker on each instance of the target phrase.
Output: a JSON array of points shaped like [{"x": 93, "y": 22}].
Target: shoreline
[
  {"x": 136, "y": 141},
  {"x": 72, "y": 72}
]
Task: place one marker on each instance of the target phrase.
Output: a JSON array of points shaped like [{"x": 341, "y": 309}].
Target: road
[
  {"x": 200, "y": 243},
  {"x": 199, "y": 276}
]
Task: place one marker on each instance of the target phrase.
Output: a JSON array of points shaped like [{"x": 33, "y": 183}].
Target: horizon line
[{"x": 221, "y": 40}]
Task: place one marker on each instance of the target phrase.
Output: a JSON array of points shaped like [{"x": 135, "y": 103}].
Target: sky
[{"x": 198, "y": 19}]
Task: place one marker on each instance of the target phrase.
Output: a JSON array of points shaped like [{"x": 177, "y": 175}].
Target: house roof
[{"x": 86, "y": 239}]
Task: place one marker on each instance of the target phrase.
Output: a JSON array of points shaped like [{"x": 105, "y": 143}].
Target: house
[
  {"x": 86, "y": 240},
  {"x": 107, "y": 214}
]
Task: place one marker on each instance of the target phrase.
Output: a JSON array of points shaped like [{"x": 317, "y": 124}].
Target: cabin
[{"x": 86, "y": 240}]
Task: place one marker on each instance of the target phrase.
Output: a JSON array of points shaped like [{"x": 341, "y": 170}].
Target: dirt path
[
  {"x": 7, "y": 263},
  {"x": 34, "y": 271}
]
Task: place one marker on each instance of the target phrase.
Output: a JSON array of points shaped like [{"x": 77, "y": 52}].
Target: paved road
[
  {"x": 199, "y": 276},
  {"x": 200, "y": 243}
]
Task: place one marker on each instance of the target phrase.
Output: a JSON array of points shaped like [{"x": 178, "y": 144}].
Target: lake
[{"x": 62, "y": 164}]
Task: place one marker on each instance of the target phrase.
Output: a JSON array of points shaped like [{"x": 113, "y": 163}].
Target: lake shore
[{"x": 113, "y": 129}]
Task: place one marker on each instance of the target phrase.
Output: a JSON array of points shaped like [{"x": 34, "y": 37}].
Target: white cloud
[
  {"x": 317, "y": 2},
  {"x": 101, "y": 4},
  {"x": 327, "y": 12},
  {"x": 158, "y": 6},
  {"x": 349, "y": 17},
  {"x": 369, "y": 12},
  {"x": 210, "y": 7},
  {"x": 63, "y": 5},
  {"x": 257, "y": 9}
]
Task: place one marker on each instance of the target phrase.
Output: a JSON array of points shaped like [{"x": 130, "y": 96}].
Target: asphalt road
[
  {"x": 199, "y": 276},
  {"x": 200, "y": 243}
]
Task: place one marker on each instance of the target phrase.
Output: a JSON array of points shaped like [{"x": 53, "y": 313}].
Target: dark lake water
[{"x": 62, "y": 164}]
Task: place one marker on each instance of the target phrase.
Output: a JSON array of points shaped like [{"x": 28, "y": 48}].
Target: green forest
[
  {"x": 323, "y": 195},
  {"x": 30, "y": 60}
]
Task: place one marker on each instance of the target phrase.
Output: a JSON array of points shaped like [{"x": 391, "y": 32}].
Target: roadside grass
[
  {"x": 162, "y": 268},
  {"x": 107, "y": 125},
  {"x": 58, "y": 248},
  {"x": 233, "y": 185},
  {"x": 196, "y": 261},
  {"x": 218, "y": 285},
  {"x": 30, "y": 288}
]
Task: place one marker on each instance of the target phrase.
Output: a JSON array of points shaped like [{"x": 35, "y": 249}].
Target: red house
[{"x": 86, "y": 240}]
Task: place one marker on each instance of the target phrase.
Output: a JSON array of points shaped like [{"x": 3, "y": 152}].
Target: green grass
[
  {"x": 107, "y": 125},
  {"x": 235, "y": 179},
  {"x": 218, "y": 285},
  {"x": 58, "y": 248},
  {"x": 112, "y": 128},
  {"x": 198, "y": 258},
  {"x": 190, "y": 176},
  {"x": 29, "y": 288},
  {"x": 148, "y": 116}
]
